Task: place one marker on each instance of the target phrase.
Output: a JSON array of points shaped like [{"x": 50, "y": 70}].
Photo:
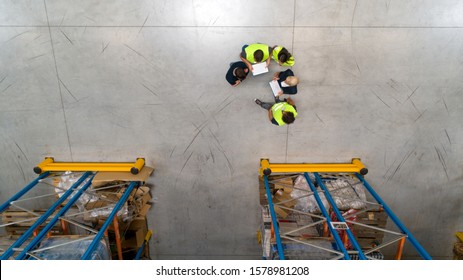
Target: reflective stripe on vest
[
  {"x": 277, "y": 111},
  {"x": 251, "y": 49}
]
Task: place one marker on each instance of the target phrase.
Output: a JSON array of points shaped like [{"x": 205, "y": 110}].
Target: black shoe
[
  {"x": 277, "y": 99},
  {"x": 258, "y": 102}
]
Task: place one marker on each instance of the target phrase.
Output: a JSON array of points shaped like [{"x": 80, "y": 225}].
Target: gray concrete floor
[{"x": 115, "y": 80}]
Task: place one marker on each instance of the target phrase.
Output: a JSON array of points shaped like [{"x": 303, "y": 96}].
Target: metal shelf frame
[
  {"x": 317, "y": 184},
  {"x": 25, "y": 247}
]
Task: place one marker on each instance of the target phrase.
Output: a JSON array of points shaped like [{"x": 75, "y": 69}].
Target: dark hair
[
  {"x": 288, "y": 117},
  {"x": 283, "y": 55},
  {"x": 240, "y": 73},
  {"x": 258, "y": 55}
]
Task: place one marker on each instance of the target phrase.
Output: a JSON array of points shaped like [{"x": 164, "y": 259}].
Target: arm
[
  {"x": 270, "y": 114},
  {"x": 248, "y": 64},
  {"x": 237, "y": 83},
  {"x": 276, "y": 76},
  {"x": 270, "y": 54}
]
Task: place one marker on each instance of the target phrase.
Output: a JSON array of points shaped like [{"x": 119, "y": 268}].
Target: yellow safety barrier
[
  {"x": 356, "y": 166},
  {"x": 49, "y": 164}
]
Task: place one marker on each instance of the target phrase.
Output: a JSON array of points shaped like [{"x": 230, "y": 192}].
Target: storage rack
[
  {"x": 42, "y": 224},
  {"x": 330, "y": 223}
]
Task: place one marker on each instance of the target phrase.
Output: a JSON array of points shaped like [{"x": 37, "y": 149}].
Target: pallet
[
  {"x": 20, "y": 226},
  {"x": 369, "y": 237}
]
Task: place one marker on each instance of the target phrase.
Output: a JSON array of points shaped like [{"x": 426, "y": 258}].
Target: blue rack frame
[
  {"x": 361, "y": 254},
  {"x": 76, "y": 190}
]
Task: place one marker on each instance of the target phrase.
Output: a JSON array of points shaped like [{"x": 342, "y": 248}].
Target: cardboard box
[
  {"x": 142, "y": 190},
  {"x": 142, "y": 197},
  {"x": 285, "y": 184},
  {"x": 288, "y": 201},
  {"x": 120, "y": 221},
  {"x": 144, "y": 210},
  {"x": 280, "y": 212},
  {"x": 135, "y": 234},
  {"x": 102, "y": 178},
  {"x": 109, "y": 197},
  {"x": 97, "y": 204}
]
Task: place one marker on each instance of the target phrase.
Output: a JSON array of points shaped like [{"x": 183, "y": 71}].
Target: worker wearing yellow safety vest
[
  {"x": 255, "y": 53},
  {"x": 282, "y": 56},
  {"x": 280, "y": 113}
]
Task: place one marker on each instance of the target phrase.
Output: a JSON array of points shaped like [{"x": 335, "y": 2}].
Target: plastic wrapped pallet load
[{"x": 71, "y": 247}]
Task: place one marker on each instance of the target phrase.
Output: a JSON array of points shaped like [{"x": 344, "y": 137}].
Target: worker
[
  {"x": 287, "y": 82},
  {"x": 281, "y": 112},
  {"x": 282, "y": 56},
  {"x": 237, "y": 73},
  {"x": 255, "y": 53}
]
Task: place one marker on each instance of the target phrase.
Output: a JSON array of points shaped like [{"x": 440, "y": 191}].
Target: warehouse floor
[{"x": 116, "y": 80}]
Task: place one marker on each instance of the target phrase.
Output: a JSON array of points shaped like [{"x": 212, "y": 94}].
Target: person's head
[
  {"x": 240, "y": 73},
  {"x": 258, "y": 55},
  {"x": 287, "y": 117},
  {"x": 283, "y": 56},
  {"x": 292, "y": 81}
]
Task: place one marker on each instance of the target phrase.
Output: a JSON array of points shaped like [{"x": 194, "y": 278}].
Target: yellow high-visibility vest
[
  {"x": 277, "y": 111},
  {"x": 249, "y": 50},
  {"x": 276, "y": 51}
]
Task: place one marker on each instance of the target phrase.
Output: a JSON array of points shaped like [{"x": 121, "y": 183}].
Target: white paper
[
  {"x": 275, "y": 87},
  {"x": 259, "y": 68}
]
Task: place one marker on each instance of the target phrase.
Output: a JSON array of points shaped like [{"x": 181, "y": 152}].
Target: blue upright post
[
  {"x": 43, "y": 218},
  {"x": 91, "y": 248},
  {"x": 274, "y": 219},
  {"x": 395, "y": 219},
  {"x": 23, "y": 191},
  {"x": 55, "y": 219},
  {"x": 340, "y": 217},
  {"x": 333, "y": 231},
  {"x": 140, "y": 251}
]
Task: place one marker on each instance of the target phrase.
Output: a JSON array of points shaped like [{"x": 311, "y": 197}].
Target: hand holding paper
[
  {"x": 259, "y": 68},
  {"x": 275, "y": 88}
]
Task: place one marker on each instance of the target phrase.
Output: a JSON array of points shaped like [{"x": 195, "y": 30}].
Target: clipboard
[
  {"x": 275, "y": 87},
  {"x": 259, "y": 68}
]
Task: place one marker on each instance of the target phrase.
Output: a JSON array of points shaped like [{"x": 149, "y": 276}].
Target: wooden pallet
[
  {"x": 24, "y": 220},
  {"x": 369, "y": 237}
]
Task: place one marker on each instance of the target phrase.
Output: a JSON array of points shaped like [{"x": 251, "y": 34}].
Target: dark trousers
[{"x": 267, "y": 105}]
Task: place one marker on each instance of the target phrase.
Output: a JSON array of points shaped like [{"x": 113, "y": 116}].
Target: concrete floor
[{"x": 115, "y": 80}]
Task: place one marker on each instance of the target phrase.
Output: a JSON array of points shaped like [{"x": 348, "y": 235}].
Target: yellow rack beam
[
  {"x": 459, "y": 235},
  {"x": 355, "y": 167},
  {"x": 49, "y": 164}
]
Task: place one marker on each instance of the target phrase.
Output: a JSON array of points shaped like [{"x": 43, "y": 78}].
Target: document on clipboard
[
  {"x": 259, "y": 68},
  {"x": 275, "y": 87}
]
